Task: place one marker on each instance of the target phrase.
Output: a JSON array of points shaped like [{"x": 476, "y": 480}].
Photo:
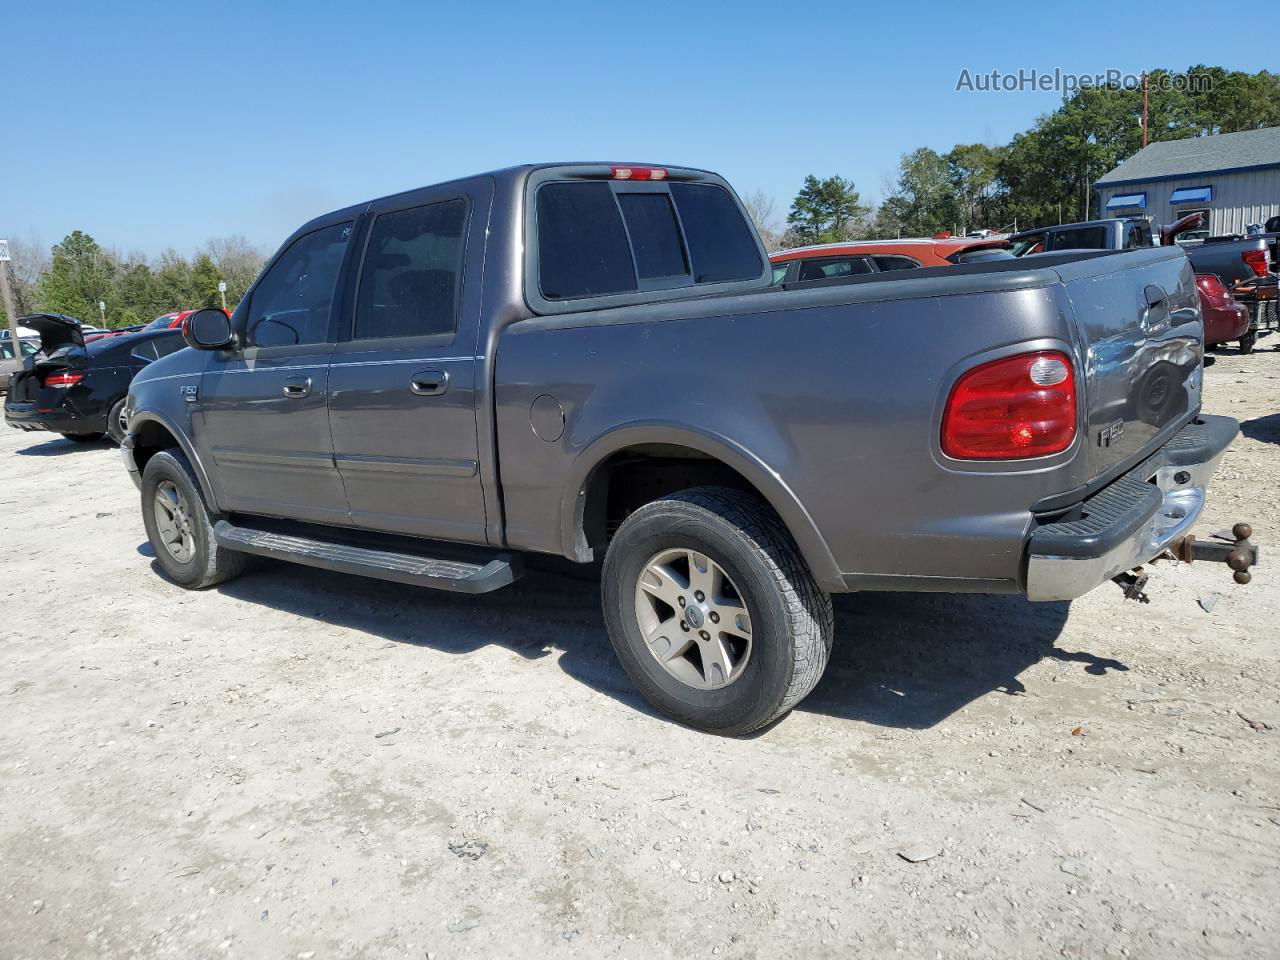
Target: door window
[
  {"x": 290, "y": 304},
  {"x": 412, "y": 273},
  {"x": 896, "y": 263}
]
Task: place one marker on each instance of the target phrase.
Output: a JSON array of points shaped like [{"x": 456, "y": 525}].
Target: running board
[{"x": 459, "y": 576}]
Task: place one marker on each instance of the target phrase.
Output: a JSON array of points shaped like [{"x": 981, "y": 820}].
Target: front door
[
  {"x": 402, "y": 383},
  {"x": 262, "y": 412}
]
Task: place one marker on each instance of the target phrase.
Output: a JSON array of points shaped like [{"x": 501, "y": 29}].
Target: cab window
[
  {"x": 290, "y": 304},
  {"x": 412, "y": 271}
]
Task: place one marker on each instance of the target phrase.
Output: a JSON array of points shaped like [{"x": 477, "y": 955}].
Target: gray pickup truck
[{"x": 588, "y": 360}]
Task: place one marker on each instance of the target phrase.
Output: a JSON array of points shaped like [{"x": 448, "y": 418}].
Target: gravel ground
[{"x": 302, "y": 765}]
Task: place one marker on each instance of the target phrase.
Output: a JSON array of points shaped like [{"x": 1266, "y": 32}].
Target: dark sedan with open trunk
[{"x": 75, "y": 389}]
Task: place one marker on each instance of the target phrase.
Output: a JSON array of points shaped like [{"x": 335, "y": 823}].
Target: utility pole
[
  {"x": 1146, "y": 108},
  {"x": 10, "y": 311}
]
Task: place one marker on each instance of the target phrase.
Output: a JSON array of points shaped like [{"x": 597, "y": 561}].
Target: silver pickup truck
[{"x": 588, "y": 361}]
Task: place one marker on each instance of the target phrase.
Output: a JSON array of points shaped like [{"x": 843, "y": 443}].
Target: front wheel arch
[{"x": 152, "y": 433}]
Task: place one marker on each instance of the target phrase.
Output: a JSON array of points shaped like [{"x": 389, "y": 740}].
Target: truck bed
[{"x": 832, "y": 392}]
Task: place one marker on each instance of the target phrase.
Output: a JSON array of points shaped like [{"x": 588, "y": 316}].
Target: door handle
[
  {"x": 429, "y": 383},
  {"x": 297, "y": 389}
]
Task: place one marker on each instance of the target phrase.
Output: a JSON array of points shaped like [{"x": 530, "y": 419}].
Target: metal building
[{"x": 1233, "y": 177}]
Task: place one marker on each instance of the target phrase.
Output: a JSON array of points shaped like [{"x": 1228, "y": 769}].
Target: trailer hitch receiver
[{"x": 1239, "y": 555}]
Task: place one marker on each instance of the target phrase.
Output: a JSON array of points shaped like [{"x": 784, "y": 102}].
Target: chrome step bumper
[{"x": 1133, "y": 519}]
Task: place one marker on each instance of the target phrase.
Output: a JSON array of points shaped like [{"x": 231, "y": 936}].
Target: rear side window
[
  {"x": 598, "y": 237},
  {"x": 721, "y": 245},
  {"x": 833, "y": 267},
  {"x": 582, "y": 246},
  {"x": 168, "y": 345},
  {"x": 412, "y": 269},
  {"x": 895, "y": 263},
  {"x": 1137, "y": 235},
  {"x": 1081, "y": 238},
  {"x": 146, "y": 351}
]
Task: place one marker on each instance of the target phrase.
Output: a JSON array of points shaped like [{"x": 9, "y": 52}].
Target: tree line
[
  {"x": 78, "y": 273},
  {"x": 1044, "y": 175}
]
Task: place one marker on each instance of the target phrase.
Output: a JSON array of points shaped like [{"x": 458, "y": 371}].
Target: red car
[
  {"x": 876, "y": 256},
  {"x": 1224, "y": 319}
]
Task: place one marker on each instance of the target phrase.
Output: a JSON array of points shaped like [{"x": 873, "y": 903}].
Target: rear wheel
[
  {"x": 116, "y": 426},
  {"x": 179, "y": 527},
  {"x": 1247, "y": 342},
  {"x": 713, "y": 612}
]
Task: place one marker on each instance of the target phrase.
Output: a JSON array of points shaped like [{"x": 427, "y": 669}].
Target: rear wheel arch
[{"x": 632, "y": 466}]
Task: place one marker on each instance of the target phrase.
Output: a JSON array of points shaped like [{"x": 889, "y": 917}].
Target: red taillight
[
  {"x": 1256, "y": 260},
  {"x": 1011, "y": 409},
  {"x": 64, "y": 379},
  {"x": 639, "y": 173},
  {"x": 1211, "y": 285}
]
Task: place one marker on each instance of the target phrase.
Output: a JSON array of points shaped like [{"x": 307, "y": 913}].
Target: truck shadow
[
  {"x": 900, "y": 660},
  {"x": 60, "y": 446},
  {"x": 1264, "y": 429}
]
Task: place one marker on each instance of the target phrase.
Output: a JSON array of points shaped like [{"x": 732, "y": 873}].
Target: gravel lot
[{"x": 302, "y": 765}]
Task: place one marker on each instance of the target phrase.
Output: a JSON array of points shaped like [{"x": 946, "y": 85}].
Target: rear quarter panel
[{"x": 831, "y": 407}]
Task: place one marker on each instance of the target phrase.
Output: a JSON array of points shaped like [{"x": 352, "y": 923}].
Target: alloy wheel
[
  {"x": 173, "y": 521},
  {"x": 693, "y": 618}
]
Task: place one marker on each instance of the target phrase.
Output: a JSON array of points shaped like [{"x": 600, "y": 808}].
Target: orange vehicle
[{"x": 827, "y": 260}]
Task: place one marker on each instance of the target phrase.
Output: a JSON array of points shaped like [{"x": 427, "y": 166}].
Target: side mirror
[{"x": 207, "y": 329}]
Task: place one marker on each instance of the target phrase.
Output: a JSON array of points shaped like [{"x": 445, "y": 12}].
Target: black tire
[
  {"x": 115, "y": 429},
  {"x": 1247, "y": 342},
  {"x": 792, "y": 623},
  {"x": 83, "y": 437},
  {"x": 209, "y": 563}
]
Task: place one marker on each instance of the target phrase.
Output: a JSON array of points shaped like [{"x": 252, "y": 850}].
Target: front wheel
[
  {"x": 713, "y": 611},
  {"x": 179, "y": 527}
]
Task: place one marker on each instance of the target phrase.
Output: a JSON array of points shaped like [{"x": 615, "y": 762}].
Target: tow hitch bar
[{"x": 1239, "y": 556}]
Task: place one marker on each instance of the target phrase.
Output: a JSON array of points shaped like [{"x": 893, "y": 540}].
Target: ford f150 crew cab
[{"x": 589, "y": 361}]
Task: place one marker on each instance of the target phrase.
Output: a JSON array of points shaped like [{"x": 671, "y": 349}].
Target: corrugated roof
[{"x": 1177, "y": 158}]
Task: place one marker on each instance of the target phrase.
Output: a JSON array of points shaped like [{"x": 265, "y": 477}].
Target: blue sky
[{"x": 152, "y": 125}]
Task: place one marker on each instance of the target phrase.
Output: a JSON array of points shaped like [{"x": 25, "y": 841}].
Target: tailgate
[{"x": 1138, "y": 314}]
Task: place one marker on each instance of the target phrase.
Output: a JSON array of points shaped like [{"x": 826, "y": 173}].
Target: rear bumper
[
  {"x": 1131, "y": 520},
  {"x": 28, "y": 416}
]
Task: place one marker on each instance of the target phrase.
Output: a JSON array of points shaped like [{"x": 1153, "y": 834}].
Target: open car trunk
[{"x": 61, "y": 347}]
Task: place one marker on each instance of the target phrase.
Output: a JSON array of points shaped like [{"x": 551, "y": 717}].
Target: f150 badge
[
  {"x": 1111, "y": 433},
  {"x": 190, "y": 392}
]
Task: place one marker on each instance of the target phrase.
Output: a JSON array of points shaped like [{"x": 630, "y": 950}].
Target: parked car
[
  {"x": 586, "y": 360},
  {"x": 75, "y": 389},
  {"x": 11, "y": 360},
  {"x": 1238, "y": 261},
  {"x": 827, "y": 260},
  {"x": 1224, "y": 318},
  {"x": 172, "y": 321},
  {"x": 1114, "y": 233}
]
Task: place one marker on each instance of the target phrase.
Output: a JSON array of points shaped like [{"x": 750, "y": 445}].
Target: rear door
[
  {"x": 402, "y": 383},
  {"x": 262, "y": 413}
]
